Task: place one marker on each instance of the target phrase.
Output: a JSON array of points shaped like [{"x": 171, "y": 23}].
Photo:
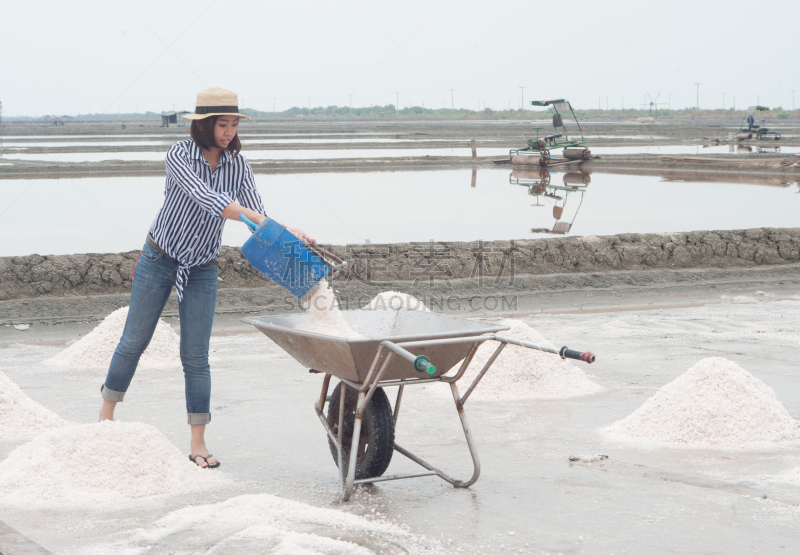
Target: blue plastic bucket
[{"x": 283, "y": 258}]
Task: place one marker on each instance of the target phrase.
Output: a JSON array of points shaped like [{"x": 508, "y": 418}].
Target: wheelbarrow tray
[{"x": 351, "y": 359}]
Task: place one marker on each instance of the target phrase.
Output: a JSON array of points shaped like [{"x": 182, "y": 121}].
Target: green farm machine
[{"x": 539, "y": 151}]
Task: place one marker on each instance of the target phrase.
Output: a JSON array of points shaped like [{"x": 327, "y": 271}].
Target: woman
[{"x": 205, "y": 179}]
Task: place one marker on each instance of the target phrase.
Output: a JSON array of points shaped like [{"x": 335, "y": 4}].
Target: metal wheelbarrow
[{"x": 399, "y": 348}]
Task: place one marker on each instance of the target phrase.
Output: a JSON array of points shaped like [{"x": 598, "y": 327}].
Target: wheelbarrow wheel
[{"x": 377, "y": 431}]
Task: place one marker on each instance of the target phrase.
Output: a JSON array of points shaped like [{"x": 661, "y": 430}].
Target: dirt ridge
[{"x": 34, "y": 276}]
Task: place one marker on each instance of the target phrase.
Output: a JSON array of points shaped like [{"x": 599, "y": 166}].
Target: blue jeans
[{"x": 153, "y": 279}]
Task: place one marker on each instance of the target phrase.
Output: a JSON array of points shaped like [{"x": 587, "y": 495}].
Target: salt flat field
[
  {"x": 347, "y": 153},
  {"x": 682, "y": 437}
]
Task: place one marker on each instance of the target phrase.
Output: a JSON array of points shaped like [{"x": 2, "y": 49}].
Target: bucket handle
[{"x": 250, "y": 224}]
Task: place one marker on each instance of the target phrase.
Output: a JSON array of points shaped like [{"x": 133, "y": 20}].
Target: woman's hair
[{"x": 203, "y": 134}]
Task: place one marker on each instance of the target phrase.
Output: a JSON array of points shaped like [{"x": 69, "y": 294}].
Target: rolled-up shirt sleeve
[
  {"x": 179, "y": 169},
  {"x": 249, "y": 196}
]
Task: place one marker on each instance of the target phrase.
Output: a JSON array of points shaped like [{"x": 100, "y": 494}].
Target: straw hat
[{"x": 216, "y": 102}]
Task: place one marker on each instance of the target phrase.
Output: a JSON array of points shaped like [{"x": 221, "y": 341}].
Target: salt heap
[
  {"x": 21, "y": 416},
  {"x": 264, "y": 523},
  {"x": 326, "y": 318},
  {"x": 104, "y": 462},
  {"x": 715, "y": 403},
  {"x": 393, "y": 300},
  {"x": 97, "y": 347},
  {"x": 793, "y": 475},
  {"x": 522, "y": 373}
]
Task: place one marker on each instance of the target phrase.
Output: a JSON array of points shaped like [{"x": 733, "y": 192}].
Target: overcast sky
[{"x": 109, "y": 56}]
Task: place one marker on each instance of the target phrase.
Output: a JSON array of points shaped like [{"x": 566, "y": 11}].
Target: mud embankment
[
  {"x": 492, "y": 277},
  {"x": 35, "y": 276}
]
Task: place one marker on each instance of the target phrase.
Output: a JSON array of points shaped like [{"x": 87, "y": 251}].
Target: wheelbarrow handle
[
  {"x": 423, "y": 364},
  {"x": 577, "y": 355}
]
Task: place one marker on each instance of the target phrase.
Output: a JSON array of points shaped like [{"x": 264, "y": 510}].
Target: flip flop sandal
[{"x": 194, "y": 458}]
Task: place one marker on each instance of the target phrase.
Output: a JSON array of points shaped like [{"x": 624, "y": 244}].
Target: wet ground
[{"x": 530, "y": 496}]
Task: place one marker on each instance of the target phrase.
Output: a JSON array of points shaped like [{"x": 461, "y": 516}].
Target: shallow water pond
[{"x": 114, "y": 214}]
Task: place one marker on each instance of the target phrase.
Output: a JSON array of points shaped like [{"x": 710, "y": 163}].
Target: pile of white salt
[
  {"x": 264, "y": 523},
  {"x": 96, "y": 348},
  {"x": 394, "y": 300},
  {"x": 100, "y": 463},
  {"x": 21, "y": 416},
  {"x": 715, "y": 403},
  {"x": 523, "y": 373},
  {"x": 326, "y": 318}
]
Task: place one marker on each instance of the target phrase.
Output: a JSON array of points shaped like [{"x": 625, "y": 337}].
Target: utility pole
[
  {"x": 606, "y": 102},
  {"x": 792, "y": 100},
  {"x": 734, "y": 103},
  {"x": 522, "y": 98},
  {"x": 273, "y": 105},
  {"x": 452, "y": 104},
  {"x": 698, "y": 95},
  {"x": 669, "y": 101},
  {"x": 309, "y": 105},
  {"x": 397, "y": 106},
  {"x": 622, "y": 101},
  {"x": 723, "y": 101}
]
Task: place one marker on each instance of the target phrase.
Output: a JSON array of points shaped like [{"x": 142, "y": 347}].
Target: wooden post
[
  {"x": 474, "y": 176},
  {"x": 474, "y": 150}
]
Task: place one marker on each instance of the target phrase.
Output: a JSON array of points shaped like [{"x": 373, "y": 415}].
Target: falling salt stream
[{"x": 326, "y": 318}]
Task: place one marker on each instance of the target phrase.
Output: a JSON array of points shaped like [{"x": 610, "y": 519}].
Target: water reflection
[
  {"x": 565, "y": 197},
  {"x": 747, "y": 178}
]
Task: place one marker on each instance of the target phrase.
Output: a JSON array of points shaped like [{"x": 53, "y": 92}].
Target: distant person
[
  {"x": 208, "y": 181},
  {"x": 750, "y": 122}
]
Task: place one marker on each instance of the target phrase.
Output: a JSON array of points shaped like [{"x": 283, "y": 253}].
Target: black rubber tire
[{"x": 377, "y": 431}]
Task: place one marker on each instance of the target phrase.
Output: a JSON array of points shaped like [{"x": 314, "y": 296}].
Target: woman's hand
[{"x": 300, "y": 234}]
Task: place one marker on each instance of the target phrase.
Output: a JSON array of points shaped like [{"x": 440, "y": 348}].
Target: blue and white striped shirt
[{"x": 189, "y": 224}]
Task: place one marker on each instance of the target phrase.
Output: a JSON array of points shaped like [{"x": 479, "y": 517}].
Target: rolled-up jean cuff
[
  {"x": 110, "y": 395},
  {"x": 199, "y": 418}
]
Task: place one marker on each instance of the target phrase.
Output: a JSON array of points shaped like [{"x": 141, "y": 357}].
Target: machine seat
[{"x": 553, "y": 137}]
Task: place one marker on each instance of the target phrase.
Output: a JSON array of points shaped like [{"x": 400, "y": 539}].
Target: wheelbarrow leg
[
  {"x": 473, "y": 451},
  {"x": 351, "y": 468},
  {"x": 339, "y": 443}
]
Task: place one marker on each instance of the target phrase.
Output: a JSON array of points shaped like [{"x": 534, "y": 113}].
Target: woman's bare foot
[
  {"x": 107, "y": 411},
  {"x": 198, "y": 446}
]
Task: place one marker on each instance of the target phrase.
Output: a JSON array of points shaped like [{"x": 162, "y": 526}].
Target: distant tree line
[{"x": 419, "y": 113}]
